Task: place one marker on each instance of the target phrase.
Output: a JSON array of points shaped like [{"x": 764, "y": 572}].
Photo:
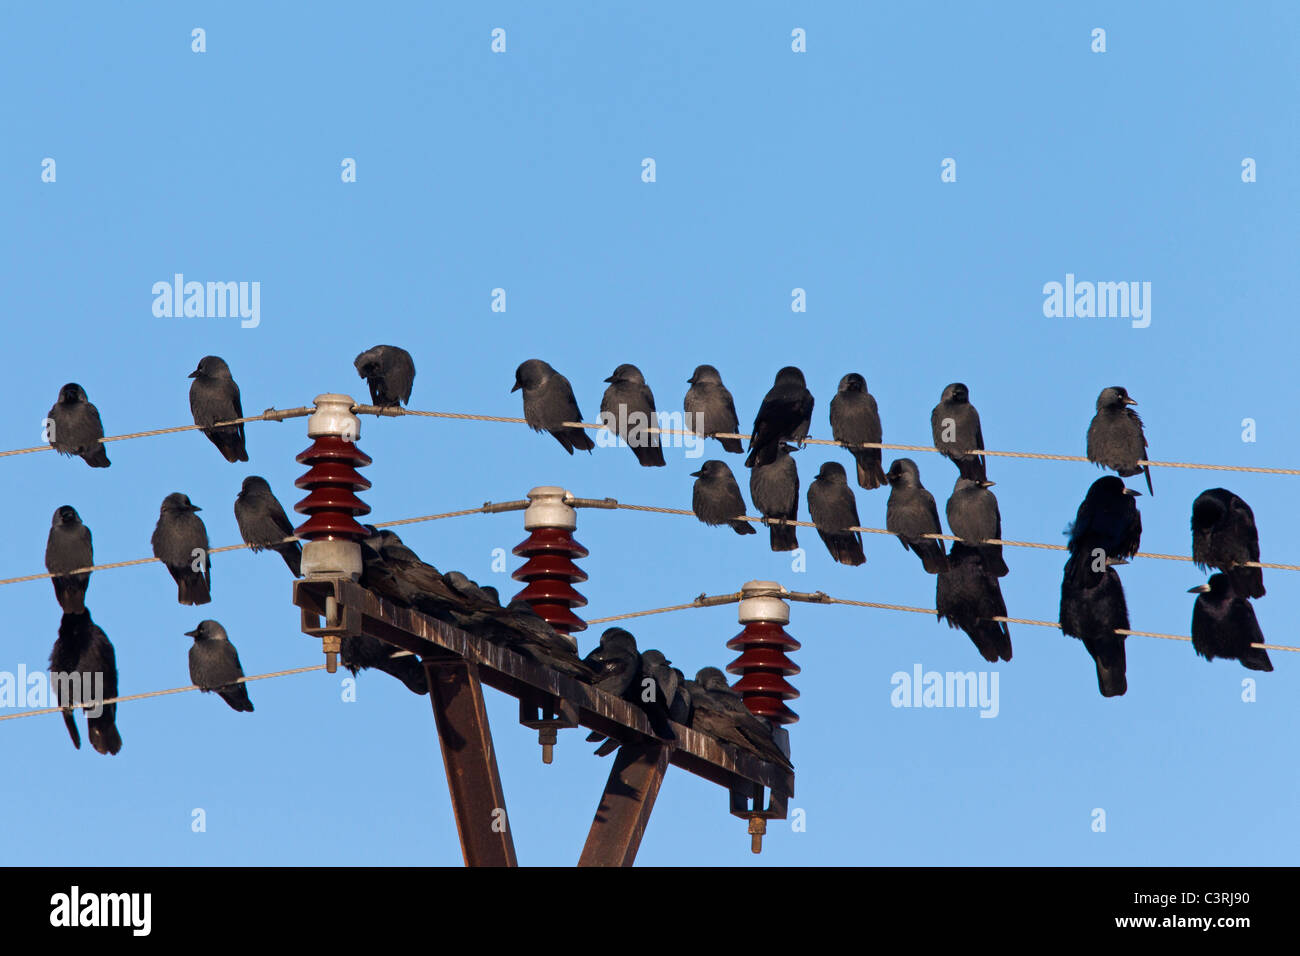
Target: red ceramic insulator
[
  {"x": 548, "y": 573},
  {"x": 764, "y": 667},
  {"x": 332, "y": 482}
]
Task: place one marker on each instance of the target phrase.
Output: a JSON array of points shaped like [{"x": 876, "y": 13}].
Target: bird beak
[
  {"x": 1133, "y": 491},
  {"x": 193, "y": 374},
  {"x": 195, "y": 508},
  {"x": 988, "y": 484},
  {"x": 517, "y": 387},
  {"x": 698, "y": 474},
  {"x": 610, "y": 379},
  {"x": 1199, "y": 589},
  {"x": 193, "y": 633},
  {"x": 1129, "y": 401}
]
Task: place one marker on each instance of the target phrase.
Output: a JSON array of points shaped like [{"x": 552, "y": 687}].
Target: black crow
[
  {"x": 214, "y": 665},
  {"x": 834, "y": 510},
  {"x": 549, "y": 403},
  {"x": 712, "y": 408},
  {"x": 720, "y": 712},
  {"x": 180, "y": 541},
  {"x": 83, "y": 668},
  {"x": 615, "y": 662},
  {"x": 716, "y": 497},
  {"x": 774, "y": 489},
  {"x": 955, "y": 425},
  {"x": 785, "y": 415},
  {"x": 911, "y": 514},
  {"x": 628, "y": 410},
  {"x": 973, "y": 516},
  {"x": 389, "y": 371},
  {"x": 1091, "y": 610},
  {"x": 1224, "y": 537},
  {"x": 968, "y": 596},
  {"x": 1107, "y": 521},
  {"x": 263, "y": 523},
  {"x": 67, "y": 549},
  {"x": 1224, "y": 625},
  {"x": 75, "y": 429},
  {"x": 854, "y": 419},
  {"x": 1115, "y": 437}
]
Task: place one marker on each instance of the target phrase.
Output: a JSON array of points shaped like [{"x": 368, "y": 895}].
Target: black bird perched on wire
[
  {"x": 1115, "y": 437},
  {"x": 712, "y": 408},
  {"x": 389, "y": 371},
  {"x": 263, "y": 523},
  {"x": 1224, "y": 537},
  {"x": 1092, "y": 608},
  {"x": 74, "y": 427},
  {"x": 855, "y": 419},
  {"x": 785, "y": 415},
  {"x": 968, "y": 596},
  {"x": 628, "y": 410},
  {"x": 911, "y": 514},
  {"x": 549, "y": 403},
  {"x": 1107, "y": 521},
  {"x": 955, "y": 425},
  {"x": 67, "y": 549},
  {"x": 214, "y": 397},
  {"x": 214, "y": 665},
  {"x": 716, "y": 499},
  {"x": 721, "y": 713},
  {"x": 83, "y": 657},
  {"x": 834, "y": 511},
  {"x": 973, "y": 516},
  {"x": 774, "y": 489},
  {"x": 180, "y": 541},
  {"x": 1224, "y": 625}
]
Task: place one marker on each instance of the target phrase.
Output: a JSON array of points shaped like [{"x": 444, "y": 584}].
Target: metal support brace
[{"x": 624, "y": 809}]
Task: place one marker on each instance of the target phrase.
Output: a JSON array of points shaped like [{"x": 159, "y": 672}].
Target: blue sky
[{"x": 775, "y": 171}]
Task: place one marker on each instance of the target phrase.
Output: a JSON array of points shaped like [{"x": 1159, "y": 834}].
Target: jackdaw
[
  {"x": 180, "y": 541},
  {"x": 67, "y": 549},
  {"x": 720, "y": 712},
  {"x": 263, "y": 523},
  {"x": 214, "y": 665},
  {"x": 911, "y": 514},
  {"x": 712, "y": 408},
  {"x": 549, "y": 403},
  {"x": 855, "y": 419},
  {"x": 1092, "y": 608},
  {"x": 656, "y": 691},
  {"x": 1224, "y": 625},
  {"x": 785, "y": 415},
  {"x": 1115, "y": 437},
  {"x": 973, "y": 516},
  {"x": 834, "y": 510},
  {"x": 628, "y": 410},
  {"x": 774, "y": 489},
  {"x": 955, "y": 425},
  {"x": 1224, "y": 537},
  {"x": 214, "y": 397},
  {"x": 615, "y": 662},
  {"x": 968, "y": 596},
  {"x": 716, "y": 497},
  {"x": 75, "y": 428},
  {"x": 389, "y": 371},
  {"x": 362, "y": 652},
  {"x": 83, "y": 657}
]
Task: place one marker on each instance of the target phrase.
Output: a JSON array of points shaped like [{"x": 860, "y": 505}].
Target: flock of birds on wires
[
  {"x": 1105, "y": 533},
  {"x": 389, "y": 568}
]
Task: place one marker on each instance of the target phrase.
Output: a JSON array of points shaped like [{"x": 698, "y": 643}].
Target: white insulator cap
[
  {"x": 547, "y": 509},
  {"x": 765, "y": 607},
  {"x": 333, "y": 416}
]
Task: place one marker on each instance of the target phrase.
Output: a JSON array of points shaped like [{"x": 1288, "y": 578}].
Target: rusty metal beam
[
  {"x": 624, "y": 809},
  {"x": 467, "y": 753}
]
